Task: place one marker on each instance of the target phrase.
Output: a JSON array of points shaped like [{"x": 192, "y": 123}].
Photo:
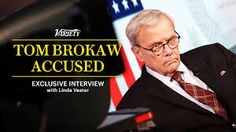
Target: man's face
[{"x": 168, "y": 61}]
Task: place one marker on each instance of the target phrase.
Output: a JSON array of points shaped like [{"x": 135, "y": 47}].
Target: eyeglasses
[{"x": 157, "y": 49}]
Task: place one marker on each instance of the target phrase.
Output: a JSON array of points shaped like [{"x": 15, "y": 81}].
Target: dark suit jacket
[{"x": 173, "y": 112}]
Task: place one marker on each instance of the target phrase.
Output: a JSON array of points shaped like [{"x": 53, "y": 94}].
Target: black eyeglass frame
[{"x": 167, "y": 43}]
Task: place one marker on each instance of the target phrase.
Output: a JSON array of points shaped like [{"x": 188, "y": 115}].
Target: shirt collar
[{"x": 181, "y": 68}]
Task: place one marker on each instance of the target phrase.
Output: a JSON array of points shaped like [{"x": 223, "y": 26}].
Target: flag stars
[
  {"x": 122, "y": 8},
  {"x": 135, "y": 3},
  {"x": 125, "y": 4},
  {"x": 115, "y": 7}
]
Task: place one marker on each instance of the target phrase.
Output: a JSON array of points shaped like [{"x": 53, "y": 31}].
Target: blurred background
[{"x": 10, "y": 6}]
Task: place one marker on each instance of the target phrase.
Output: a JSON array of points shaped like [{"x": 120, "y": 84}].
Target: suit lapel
[
  {"x": 201, "y": 70},
  {"x": 164, "y": 93}
]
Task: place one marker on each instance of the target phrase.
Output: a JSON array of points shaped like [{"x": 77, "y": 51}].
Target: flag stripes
[
  {"x": 128, "y": 74},
  {"x": 120, "y": 84},
  {"x": 114, "y": 92}
]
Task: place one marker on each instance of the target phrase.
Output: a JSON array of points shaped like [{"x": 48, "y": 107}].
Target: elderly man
[{"x": 195, "y": 91}]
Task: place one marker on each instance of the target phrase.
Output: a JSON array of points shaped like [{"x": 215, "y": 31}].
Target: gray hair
[{"x": 148, "y": 17}]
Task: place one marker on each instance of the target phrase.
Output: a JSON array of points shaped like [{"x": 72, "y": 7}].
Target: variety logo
[{"x": 67, "y": 32}]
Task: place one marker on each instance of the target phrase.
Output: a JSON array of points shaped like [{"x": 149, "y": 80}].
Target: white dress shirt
[{"x": 187, "y": 76}]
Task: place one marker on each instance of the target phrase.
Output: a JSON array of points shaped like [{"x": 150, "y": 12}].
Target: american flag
[{"x": 121, "y": 12}]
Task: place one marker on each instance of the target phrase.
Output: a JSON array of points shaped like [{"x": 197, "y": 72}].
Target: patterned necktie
[{"x": 200, "y": 94}]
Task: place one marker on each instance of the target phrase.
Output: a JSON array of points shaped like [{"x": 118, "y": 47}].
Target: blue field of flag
[{"x": 122, "y": 8}]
